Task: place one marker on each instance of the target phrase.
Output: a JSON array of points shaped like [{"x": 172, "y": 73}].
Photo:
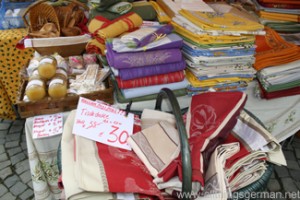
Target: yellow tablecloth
[{"x": 11, "y": 61}]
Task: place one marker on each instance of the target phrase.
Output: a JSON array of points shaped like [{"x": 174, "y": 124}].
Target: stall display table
[
  {"x": 42, "y": 156},
  {"x": 11, "y": 62},
  {"x": 281, "y": 116}
]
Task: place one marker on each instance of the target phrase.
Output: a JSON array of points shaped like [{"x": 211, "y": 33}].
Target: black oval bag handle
[{"x": 185, "y": 150}]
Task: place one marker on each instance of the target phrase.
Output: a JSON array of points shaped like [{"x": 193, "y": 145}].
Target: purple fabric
[
  {"x": 166, "y": 29},
  {"x": 151, "y": 70},
  {"x": 139, "y": 59}
]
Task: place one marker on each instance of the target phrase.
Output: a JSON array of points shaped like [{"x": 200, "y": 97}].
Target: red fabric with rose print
[{"x": 210, "y": 119}]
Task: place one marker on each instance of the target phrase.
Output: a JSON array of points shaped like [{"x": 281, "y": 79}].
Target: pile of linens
[
  {"x": 228, "y": 146},
  {"x": 282, "y": 16},
  {"x": 146, "y": 60},
  {"x": 277, "y": 64},
  {"x": 219, "y": 46}
]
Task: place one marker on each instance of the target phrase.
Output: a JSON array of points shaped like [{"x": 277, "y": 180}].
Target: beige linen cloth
[
  {"x": 157, "y": 146},
  {"x": 261, "y": 146},
  {"x": 216, "y": 183},
  {"x": 71, "y": 187}
]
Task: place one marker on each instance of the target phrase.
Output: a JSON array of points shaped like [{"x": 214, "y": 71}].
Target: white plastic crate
[{"x": 11, "y": 14}]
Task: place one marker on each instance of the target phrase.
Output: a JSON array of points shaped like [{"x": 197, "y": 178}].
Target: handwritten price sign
[
  {"x": 47, "y": 125},
  {"x": 102, "y": 123}
]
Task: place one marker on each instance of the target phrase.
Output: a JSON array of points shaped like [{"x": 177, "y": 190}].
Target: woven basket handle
[
  {"x": 185, "y": 150},
  {"x": 85, "y": 7}
]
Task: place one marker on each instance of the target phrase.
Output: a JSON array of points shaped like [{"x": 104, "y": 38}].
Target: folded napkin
[
  {"x": 146, "y": 35},
  {"x": 216, "y": 183},
  {"x": 151, "y": 117},
  {"x": 150, "y": 70},
  {"x": 169, "y": 41},
  {"x": 171, "y": 77},
  {"x": 122, "y": 24},
  {"x": 153, "y": 89},
  {"x": 210, "y": 118},
  {"x": 156, "y": 153},
  {"x": 256, "y": 146},
  {"x": 138, "y": 59},
  {"x": 120, "y": 8}
]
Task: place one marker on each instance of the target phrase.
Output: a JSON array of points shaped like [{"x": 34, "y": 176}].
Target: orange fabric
[{"x": 273, "y": 50}]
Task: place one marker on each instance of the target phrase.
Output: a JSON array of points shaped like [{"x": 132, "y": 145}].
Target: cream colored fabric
[
  {"x": 216, "y": 183},
  {"x": 150, "y": 117},
  {"x": 256, "y": 138},
  {"x": 157, "y": 146},
  {"x": 72, "y": 189}
]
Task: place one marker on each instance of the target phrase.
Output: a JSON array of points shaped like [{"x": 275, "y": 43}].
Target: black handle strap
[{"x": 185, "y": 150}]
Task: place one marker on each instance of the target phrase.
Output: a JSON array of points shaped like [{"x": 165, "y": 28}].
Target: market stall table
[{"x": 11, "y": 61}]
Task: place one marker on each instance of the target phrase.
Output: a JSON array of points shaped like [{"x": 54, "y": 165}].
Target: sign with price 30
[{"x": 101, "y": 122}]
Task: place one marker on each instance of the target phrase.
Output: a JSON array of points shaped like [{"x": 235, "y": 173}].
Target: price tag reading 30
[{"x": 102, "y": 123}]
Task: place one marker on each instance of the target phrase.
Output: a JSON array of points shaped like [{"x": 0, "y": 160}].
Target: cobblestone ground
[
  {"x": 285, "y": 181},
  {"x": 15, "y": 178}
]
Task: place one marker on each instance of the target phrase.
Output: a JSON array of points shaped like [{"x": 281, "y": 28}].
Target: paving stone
[
  {"x": 18, "y": 188},
  {"x": 10, "y": 181},
  {"x": 296, "y": 140},
  {"x": 3, "y": 134},
  {"x": 22, "y": 166},
  {"x": 298, "y": 185},
  {"x": 8, "y": 196},
  {"x": 2, "y": 141},
  {"x": 289, "y": 155},
  {"x": 2, "y": 149},
  {"x": 30, "y": 184},
  {"x": 28, "y": 194},
  {"x": 13, "y": 137},
  {"x": 11, "y": 144},
  {"x": 3, "y": 157},
  {"x": 3, "y": 190},
  {"x": 281, "y": 171},
  {"x": 4, "y": 126},
  {"x": 288, "y": 184},
  {"x": 7, "y": 121},
  {"x": 26, "y": 176},
  {"x": 292, "y": 164},
  {"x": 20, "y": 122},
  {"x": 24, "y": 146},
  {"x": 5, "y": 173},
  {"x": 295, "y": 174},
  {"x": 274, "y": 185},
  {"x": 14, "y": 151},
  {"x": 297, "y": 152},
  {"x": 17, "y": 158},
  {"x": 4, "y": 164},
  {"x": 15, "y": 129},
  {"x": 273, "y": 175}
]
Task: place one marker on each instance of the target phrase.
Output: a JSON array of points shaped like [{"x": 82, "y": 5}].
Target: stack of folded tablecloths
[
  {"x": 282, "y": 16},
  {"x": 146, "y": 60},
  {"x": 218, "y": 47},
  {"x": 277, "y": 63}
]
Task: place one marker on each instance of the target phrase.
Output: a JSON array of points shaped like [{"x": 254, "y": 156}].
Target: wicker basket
[{"x": 41, "y": 12}]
